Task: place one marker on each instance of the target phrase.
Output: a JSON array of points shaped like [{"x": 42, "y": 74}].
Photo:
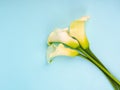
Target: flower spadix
[
  {"x": 60, "y": 50},
  {"x": 62, "y": 35},
  {"x": 77, "y": 30}
]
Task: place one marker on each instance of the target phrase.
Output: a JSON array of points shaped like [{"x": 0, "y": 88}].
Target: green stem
[
  {"x": 84, "y": 57},
  {"x": 93, "y": 56},
  {"x": 113, "y": 83},
  {"x": 93, "y": 60}
]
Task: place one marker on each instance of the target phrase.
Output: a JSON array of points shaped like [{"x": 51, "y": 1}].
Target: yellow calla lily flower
[
  {"x": 60, "y": 50},
  {"x": 77, "y": 30},
  {"x": 61, "y": 35}
]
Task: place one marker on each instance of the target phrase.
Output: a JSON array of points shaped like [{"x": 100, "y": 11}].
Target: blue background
[{"x": 24, "y": 28}]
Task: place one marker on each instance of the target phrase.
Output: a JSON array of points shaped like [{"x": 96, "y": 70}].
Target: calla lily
[
  {"x": 60, "y": 50},
  {"x": 77, "y": 30},
  {"x": 78, "y": 45},
  {"x": 61, "y": 35}
]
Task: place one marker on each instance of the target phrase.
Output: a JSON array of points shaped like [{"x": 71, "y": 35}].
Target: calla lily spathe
[
  {"x": 77, "y": 30},
  {"x": 60, "y": 50},
  {"x": 62, "y": 35}
]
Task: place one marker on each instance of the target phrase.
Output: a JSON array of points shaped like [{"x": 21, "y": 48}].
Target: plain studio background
[{"x": 24, "y": 28}]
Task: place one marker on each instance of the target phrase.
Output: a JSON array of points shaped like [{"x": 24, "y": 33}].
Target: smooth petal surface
[
  {"x": 61, "y": 35},
  {"x": 59, "y": 50},
  {"x": 77, "y": 30}
]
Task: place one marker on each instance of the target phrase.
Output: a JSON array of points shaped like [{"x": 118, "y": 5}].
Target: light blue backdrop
[{"x": 24, "y": 28}]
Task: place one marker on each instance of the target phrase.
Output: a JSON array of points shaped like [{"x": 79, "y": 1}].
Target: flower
[
  {"x": 77, "y": 30},
  {"x": 76, "y": 41},
  {"x": 62, "y": 35},
  {"x": 60, "y": 50}
]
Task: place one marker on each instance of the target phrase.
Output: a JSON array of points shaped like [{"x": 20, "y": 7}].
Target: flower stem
[
  {"x": 113, "y": 83},
  {"x": 100, "y": 66}
]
